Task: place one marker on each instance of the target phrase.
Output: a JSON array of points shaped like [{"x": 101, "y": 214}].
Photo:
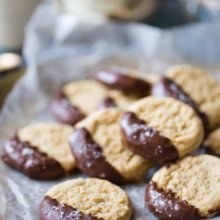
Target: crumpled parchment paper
[{"x": 59, "y": 48}]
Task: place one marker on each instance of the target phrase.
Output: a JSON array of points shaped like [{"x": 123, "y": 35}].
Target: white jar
[
  {"x": 14, "y": 15},
  {"x": 105, "y": 9}
]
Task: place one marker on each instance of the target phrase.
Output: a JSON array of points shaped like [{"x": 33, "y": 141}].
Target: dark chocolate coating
[
  {"x": 146, "y": 141},
  {"x": 123, "y": 82},
  {"x": 166, "y": 205},
  {"x": 108, "y": 102},
  {"x": 64, "y": 111},
  {"x": 165, "y": 87},
  {"x": 50, "y": 209},
  {"x": 27, "y": 159},
  {"x": 89, "y": 157}
]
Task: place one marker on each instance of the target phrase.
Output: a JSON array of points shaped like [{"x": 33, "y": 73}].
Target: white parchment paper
[{"x": 59, "y": 48}]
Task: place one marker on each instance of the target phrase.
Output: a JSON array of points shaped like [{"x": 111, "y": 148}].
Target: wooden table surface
[{"x": 7, "y": 80}]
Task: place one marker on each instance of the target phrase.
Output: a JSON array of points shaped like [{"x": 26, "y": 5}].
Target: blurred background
[{"x": 165, "y": 14}]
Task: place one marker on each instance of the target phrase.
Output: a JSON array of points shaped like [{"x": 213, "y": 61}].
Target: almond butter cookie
[
  {"x": 161, "y": 129},
  {"x": 203, "y": 89},
  {"x": 86, "y": 199},
  {"x": 126, "y": 80},
  {"x": 187, "y": 190},
  {"x": 100, "y": 152},
  {"x": 41, "y": 151},
  {"x": 78, "y": 99}
]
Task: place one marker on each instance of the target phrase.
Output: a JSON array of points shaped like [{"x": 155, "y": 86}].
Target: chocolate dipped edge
[
  {"x": 29, "y": 160},
  {"x": 123, "y": 82},
  {"x": 64, "y": 111},
  {"x": 167, "y": 206},
  {"x": 51, "y": 209},
  {"x": 166, "y": 87},
  {"x": 146, "y": 141},
  {"x": 89, "y": 157}
]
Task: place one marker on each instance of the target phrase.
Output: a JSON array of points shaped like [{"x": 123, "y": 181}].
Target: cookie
[
  {"x": 212, "y": 144},
  {"x": 86, "y": 199},
  {"x": 166, "y": 87},
  {"x": 161, "y": 129},
  {"x": 41, "y": 151},
  {"x": 78, "y": 99},
  {"x": 100, "y": 152},
  {"x": 123, "y": 80},
  {"x": 202, "y": 88},
  {"x": 187, "y": 190}
]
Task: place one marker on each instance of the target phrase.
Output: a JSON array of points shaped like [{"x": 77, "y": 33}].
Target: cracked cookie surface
[
  {"x": 194, "y": 180},
  {"x": 202, "y": 88},
  {"x": 52, "y": 139},
  {"x": 172, "y": 119},
  {"x": 105, "y": 130}
]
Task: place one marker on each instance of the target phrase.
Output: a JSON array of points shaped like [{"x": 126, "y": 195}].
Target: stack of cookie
[{"x": 116, "y": 127}]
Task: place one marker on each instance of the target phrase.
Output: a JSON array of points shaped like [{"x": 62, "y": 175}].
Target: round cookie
[
  {"x": 86, "y": 199},
  {"x": 78, "y": 99},
  {"x": 187, "y": 190},
  {"x": 166, "y": 87},
  {"x": 41, "y": 150},
  {"x": 100, "y": 152},
  {"x": 212, "y": 144},
  {"x": 125, "y": 80},
  {"x": 161, "y": 129},
  {"x": 202, "y": 88}
]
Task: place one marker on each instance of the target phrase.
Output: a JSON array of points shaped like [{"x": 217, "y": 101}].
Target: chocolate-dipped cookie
[
  {"x": 100, "y": 152},
  {"x": 166, "y": 87},
  {"x": 161, "y": 129},
  {"x": 41, "y": 151},
  {"x": 203, "y": 89},
  {"x": 187, "y": 190},
  {"x": 125, "y": 80},
  {"x": 78, "y": 99},
  {"x": 85, "y": 199}
]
